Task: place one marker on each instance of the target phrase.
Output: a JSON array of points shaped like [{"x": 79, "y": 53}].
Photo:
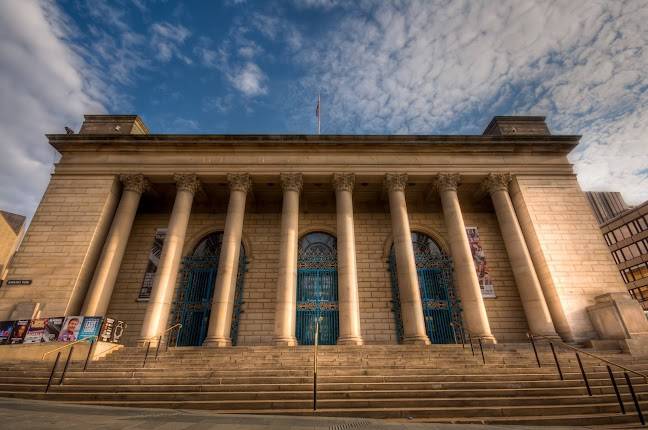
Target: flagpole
[{"x": 319, "y": 113}]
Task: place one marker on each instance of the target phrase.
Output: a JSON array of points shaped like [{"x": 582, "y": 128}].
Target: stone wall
[
  {"x": 577, "y": 258},
  {"x": 261, "y": 237},
  {"x": 62, "y": 245}
]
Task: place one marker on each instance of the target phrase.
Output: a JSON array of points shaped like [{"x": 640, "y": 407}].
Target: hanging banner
[
  {"x": 479, "y": 258},
  {"x": 6, "y": 328},
  {"x": 111, "y": 330},
  {"x": 90, "y": 327},
  {"x": 151, "y": 268},
  {"x": 19, "y": 331},
  {"x": 71, "y": 328},
  {"x": 35, "y": 331},
  {"x": 52, "y": 329}
]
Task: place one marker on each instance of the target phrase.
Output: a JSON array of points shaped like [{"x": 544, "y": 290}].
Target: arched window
[
  {"x": 441, "y": 308},
  {"x": 192, "y": 305},
  {"x": 317, "y": 291}
]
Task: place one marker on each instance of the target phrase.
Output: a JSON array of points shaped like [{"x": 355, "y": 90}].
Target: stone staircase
[{"x": 438, "y": 383}]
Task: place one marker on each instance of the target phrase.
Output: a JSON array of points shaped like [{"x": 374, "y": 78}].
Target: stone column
[
  {"x": 159, "y": 305},
  {"x": 408, "y": 285},
  {"x": 526, "y": 279},
  {"x": 286, "y": 305},
  {"x": 346, "y": 255},
  {"x": 220, "y": 320},
  {"x": 472, "y": 303},
  {"x": 107, "y": 269}
]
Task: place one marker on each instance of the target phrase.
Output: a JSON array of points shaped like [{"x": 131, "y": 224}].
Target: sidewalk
[{"x": 19, "y": 414}]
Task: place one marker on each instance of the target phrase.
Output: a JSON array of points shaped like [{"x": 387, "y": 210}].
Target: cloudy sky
[{"x": 237, "y": 66}]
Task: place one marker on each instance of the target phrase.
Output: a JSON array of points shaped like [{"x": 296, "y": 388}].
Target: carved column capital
[
  {"x": 239, "y": 182},
  {"x": 137, "y": 182},
  {"x": 496, "y": 182},
  {"x": 343, "y": 181},
  {"x": 447, "y": 181},
  {"x": 395, "y": 181},
  {"x": 187, "y": 182},
  {"x": 291, "y": 181}
]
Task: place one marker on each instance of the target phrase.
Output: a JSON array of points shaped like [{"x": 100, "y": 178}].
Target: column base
[
  {"x": 285, "y": 341},
  {"x": 142, "y": 342},
  {"x": 416, "y": 340},
  {"x": 490, "y": 339},
  {"x": 217, "y": 342},
  {"x": 350, "y": 340}
]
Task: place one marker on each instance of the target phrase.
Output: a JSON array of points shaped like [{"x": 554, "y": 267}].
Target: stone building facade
[
  {"x": 250, "y": 239},
  {"x": 11, "y": 232}
]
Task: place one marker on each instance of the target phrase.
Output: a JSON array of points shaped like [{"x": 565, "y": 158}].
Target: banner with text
[{"x": 479, "y": 258}]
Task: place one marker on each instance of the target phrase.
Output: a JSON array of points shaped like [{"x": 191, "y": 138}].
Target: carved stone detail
[
  {"x": 137, "y": 183},
  {"x": 187, "y": 182},
  {"x": 496, "y": 182},
  {"x": 395, "y": 181},
  {"x": 447, "y": 181},
  {"x": 239, "y": 182},
  {"x": 291, "y": 181},
  {"x": 343, "y": 181}
]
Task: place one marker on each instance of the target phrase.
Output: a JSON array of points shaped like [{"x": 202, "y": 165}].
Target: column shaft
[
  {"x": 112, "y": 254},
  {"x": 526, "y": 279},
  {"x": 347, "y": 272},
  {"x": 408, "y": 286},
  {"x": 159, "y": 305},
  {"x": 285, "y": 311},
  {"x": 472, "y": 303},
  {"x": 220, "y": 320}
]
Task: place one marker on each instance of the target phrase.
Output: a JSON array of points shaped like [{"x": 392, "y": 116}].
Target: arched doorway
[
  {"x": 317, "y": 289},
  {"x": 441, "y": 308},
  {"x": 192, "y": 305}
]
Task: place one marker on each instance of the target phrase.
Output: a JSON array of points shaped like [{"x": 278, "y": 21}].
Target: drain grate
[{"x": 351, "y": 425}]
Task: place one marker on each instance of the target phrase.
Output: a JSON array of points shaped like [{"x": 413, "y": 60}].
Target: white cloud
[
  {"x": 167, "y": 40},
  {"x": 249, "y": 79},
  {"x": 435, "y": 66},
  {"x": 45, "y": 86}
]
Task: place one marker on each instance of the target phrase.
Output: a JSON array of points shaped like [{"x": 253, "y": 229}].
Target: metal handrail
[
  {"x": 626, "y": 369},
  {"x": 68, "y": 346},
  {"x": 470, "y": 338},
  {"x": 163, "y": 333},
  {"x": 315, "y": 344}
]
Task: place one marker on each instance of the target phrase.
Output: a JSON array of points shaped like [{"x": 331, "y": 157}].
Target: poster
[
  {"x": 19, "y": 331},
  {"x": 52, "y": 329},
  {"x": 90, "y": 327},
  {"x": 153, "y": 261},
  {"x": 479, "y": 258},
  {"x": 70, "y": 329},
  {"x": 112, "y": 330},
  {"x": 35, "y": 331},
  {"x": 6, "y": 328}
]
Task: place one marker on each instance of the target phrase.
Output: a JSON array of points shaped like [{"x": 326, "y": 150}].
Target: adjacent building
[{"x": 383, "y": 239}]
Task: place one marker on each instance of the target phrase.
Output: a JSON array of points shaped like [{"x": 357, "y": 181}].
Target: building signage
[
  {"x": 479, "y": 258},
  {"x": 19, "y": 282},
  {"x": 151, "y": 268}
]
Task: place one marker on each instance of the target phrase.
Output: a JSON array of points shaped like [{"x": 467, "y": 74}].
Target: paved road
[{"x": 19, "y": 414}]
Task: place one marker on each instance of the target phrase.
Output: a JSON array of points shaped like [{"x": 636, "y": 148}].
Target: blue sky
[{"x": 243, "y": 66}]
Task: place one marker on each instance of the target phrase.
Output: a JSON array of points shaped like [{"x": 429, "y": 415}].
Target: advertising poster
[
  {"x": 6, "y": 328},
  {"x": 35, "y": 331},
  {"x": 112, "y": 330},
  {"x": 485, "y": 283},
  {"x": 70, "y": 329},
  {"x": 153, "y": 261},
  {"x": 52, "y": 329},
  {"x": 19, "y": 331},
  {"x": 90, "y": 327}
]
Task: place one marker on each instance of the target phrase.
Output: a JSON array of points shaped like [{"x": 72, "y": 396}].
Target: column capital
[
  {"x": 187, "y": 182},
  {"x": 136, "y": 182},
  {"x": 496, "y": 182},
  {"x": 291, "y": 181},
  {"x": 447, "y": 181},
  {"x": 343, "y": 181},
  {"x": 395, "y": 181},
  {"x": 239, "y": 182}
]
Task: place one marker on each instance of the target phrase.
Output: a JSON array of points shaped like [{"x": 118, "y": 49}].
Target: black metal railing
[
  {"x": 465, "y": 336},
  {"x": 91, "y": 339},
  {"x": 578, "y": 352},
  {"x": 315, "y": 344},
  {"x": 158, "y": 341}
]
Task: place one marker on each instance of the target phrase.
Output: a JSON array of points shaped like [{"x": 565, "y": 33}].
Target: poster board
[{"x": 479, "y": 258}]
